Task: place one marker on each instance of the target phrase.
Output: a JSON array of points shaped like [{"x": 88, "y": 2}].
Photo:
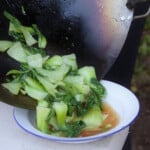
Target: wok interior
[{"x": 94, "y": 30}]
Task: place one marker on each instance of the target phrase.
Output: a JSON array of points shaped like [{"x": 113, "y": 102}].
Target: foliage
[{"x": 143, "y": 57}]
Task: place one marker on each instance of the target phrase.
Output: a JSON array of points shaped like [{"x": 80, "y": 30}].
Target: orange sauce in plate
[{"x": 110, "y": 122}]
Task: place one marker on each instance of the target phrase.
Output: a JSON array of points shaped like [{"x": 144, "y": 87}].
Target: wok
[{"x": 95, "y": 30}]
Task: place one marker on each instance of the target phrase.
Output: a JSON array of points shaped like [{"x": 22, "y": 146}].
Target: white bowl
[{"x": 122, "y": 100}]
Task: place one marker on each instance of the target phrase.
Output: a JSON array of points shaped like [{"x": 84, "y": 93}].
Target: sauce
[{"x": 110, "y": 122}]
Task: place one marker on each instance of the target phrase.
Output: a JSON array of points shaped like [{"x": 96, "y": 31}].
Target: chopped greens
[
  {"x": 4, "y": 45},
  {"x": 74, "y": 129},
  {"x": 69, "y": 98}
]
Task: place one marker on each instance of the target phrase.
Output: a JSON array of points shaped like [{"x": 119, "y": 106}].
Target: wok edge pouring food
[{"x": 111, "y": 26}]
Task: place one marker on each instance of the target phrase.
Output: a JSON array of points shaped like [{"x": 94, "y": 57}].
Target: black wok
[{"x": 95, "y": 30}]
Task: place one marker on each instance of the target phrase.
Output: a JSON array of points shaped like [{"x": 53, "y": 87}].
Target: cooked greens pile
[{"x": 69, "y": 98}]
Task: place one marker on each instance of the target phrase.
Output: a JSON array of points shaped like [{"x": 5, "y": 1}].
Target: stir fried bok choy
[{"x": 70, "y": 99}]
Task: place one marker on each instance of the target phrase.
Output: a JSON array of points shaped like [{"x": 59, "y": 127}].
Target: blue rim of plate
[{"x": 74, "y": 139}]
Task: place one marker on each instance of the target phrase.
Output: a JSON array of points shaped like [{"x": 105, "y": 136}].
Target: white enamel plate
[{"x": 122, "y": 100}]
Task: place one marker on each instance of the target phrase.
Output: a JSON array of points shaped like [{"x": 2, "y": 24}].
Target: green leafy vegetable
[
  {"x": 69, "y": 98},
  {"x": 93, "y": 118},
  {"x": 4, "y": 45},
  {"x": 61, "y": 112},
  {"x": 13, "y": 87},
  {"x": 42, "y": 114},
  {"x": 42, "y": 42},
  {"x": 17, "y": 52},
  {"x": 74, "y": 129},
  {"x": 28, "y": 36}
]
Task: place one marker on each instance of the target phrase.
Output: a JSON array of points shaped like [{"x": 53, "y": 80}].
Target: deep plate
[{"x": 123, "y": 101}]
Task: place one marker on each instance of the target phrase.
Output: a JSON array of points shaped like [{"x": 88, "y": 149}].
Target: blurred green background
[
  {"x": 142, "y": 69},
  {"x": 141, "y": 87},
  {"x": 144, "y": 50}
]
